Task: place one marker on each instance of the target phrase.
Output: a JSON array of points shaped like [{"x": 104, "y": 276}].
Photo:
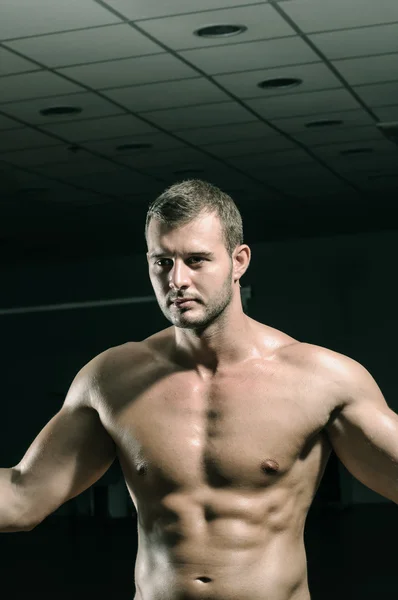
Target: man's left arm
[{"x": 364, "y": 430}]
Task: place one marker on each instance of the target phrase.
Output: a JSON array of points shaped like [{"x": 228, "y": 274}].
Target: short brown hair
[{"x": 183, "y": 202}]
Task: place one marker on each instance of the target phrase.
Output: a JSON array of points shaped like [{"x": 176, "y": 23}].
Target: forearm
[{"x": 9, "y": 504}]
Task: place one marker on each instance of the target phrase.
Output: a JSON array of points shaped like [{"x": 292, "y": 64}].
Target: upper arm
[
  {"x": 71, "y": 452},
  {"x": 364, "y": 430}
]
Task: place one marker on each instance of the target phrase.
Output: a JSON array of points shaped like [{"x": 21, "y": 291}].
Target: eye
[
  {"x": 160, "y": 263},
  {"x": 196, "y": 259}
]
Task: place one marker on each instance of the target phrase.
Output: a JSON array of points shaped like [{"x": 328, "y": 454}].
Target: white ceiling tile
[
  {"x": 206, "y": 168},
  {"x": 334, "y": 150},
  {"x": 261, "y": 20},
  {"x": 252, "y": 55},
  {"x": 92, "y": 105},
  {"x": 19, "y": 179},
  {"x": 96, "y": 129},
  {"x": 25, "y": 137},
  {"x": 148, "y": 9},
  {"x": 172, "y": 157},
  {"x": 120, "y": 182},
  {"x": 12, "y": 63},
  {"x": 86, "y": 46},
  {"x": 254, "y": 146},
  {"x": 159, "y": 141},
  {"x": 363, "y": 41},
  {"x": 387, "y": 113},
  {"x": 225, "y": 133},
  {"x": 155, "y": 96},
  {"x": 313, "y": 15},
  {"x": 315, "y": 76},
  {"x": 77, "y": 168},
  {"x": 371, "y": 69},
  {"x": 47, "y": 155},
  {"x": 21, "y": 18},
  {"x": 199, "y": 116},
  {"x": 130, "y": 71},
  {"x": 381, "y": 94},
  {"x": 338, "y": 134},
  {"x": 269, "y": 160},
  {"x": 350, "y": 118},
  {"x": 6, "y": 123},
  {"x": 303, "y": 104},
  {"x": 35, "y": 85},
  {"x": 363, "y": 162}
]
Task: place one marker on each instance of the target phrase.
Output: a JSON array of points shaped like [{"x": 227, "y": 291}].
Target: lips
[{"x": 183, "y": 301}]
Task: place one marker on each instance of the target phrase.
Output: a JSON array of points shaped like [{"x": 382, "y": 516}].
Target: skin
[{"x": 223, "y": 427}]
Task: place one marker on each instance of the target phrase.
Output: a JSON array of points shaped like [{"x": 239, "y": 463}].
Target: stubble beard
[{"x": 212, "y": 312}]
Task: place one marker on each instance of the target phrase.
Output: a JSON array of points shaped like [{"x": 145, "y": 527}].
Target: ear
[{"x": 241, "y": 260}]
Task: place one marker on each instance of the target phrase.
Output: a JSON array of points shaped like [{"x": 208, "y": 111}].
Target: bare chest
[{"x": 246, "y": 430}]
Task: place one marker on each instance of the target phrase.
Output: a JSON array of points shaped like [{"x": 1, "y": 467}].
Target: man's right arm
[{"x": 71, "y": 453}]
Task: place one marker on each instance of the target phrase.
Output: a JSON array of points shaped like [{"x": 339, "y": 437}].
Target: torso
[{"x": 221, "y": 470}]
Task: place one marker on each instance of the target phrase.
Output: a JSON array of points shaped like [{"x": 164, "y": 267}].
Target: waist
[{"x": 210, "y": 570}]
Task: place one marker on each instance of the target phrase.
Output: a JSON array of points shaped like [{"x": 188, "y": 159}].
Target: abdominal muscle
[{"x": 224, "y": 559}]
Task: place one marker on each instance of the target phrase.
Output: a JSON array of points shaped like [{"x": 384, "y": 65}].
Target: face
[{"x": 190, "y": 261}]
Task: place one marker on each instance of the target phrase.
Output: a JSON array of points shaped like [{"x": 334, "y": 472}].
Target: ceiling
[{"x": 137, "y": 73}]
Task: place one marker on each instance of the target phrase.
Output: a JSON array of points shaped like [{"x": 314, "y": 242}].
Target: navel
[
  {"x": 270, "y": 466},
  {"x": 204, "y": 579}
]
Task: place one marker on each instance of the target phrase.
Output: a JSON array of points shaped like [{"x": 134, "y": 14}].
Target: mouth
[{"x": 183, "y": 303}]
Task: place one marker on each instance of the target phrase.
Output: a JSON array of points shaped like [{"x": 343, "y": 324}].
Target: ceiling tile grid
[
  {"x": 110, "y": 42},
  {"x": 312, "y": 15},
  {"x": 314, "y": 76},
  {"x": 149, "y": 9},
  {"x": 90, "y": 104},
  {"x": 251, "y": 55},
  {"x": 261, "y": 22},
  {"x": 364, "y": 41},
  {"x": 23, "y": 18},
  {"x": 130, "y": 71},
  {"x": 155, "y": 96},
  {"x": 196, "y": 101}
]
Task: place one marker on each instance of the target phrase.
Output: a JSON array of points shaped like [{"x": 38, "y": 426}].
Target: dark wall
[{"x": 337, "y": 292}]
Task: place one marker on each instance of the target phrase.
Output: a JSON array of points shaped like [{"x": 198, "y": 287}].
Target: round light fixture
[
  {"x": 60, "y": 110},
  {"x": 279, "y": 82},
  {"x": 375, "y": 176},
  {"x": 325, "y": 123},
  {"x": 356, "y": 151},
  {"x": 133, "y": 146},
  {"x": 220, "y": 31}
]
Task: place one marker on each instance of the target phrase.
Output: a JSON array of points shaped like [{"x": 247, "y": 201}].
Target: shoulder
[
  {"x": 347, "y": 379},
  {"x": 108, "y": 372}
]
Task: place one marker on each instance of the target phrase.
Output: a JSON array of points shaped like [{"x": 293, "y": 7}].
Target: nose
[{"x": 179, "y": 275}]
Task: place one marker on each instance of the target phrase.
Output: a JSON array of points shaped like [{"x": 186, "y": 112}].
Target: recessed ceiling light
[
  {"x": 60, "y": 110},
  {"x": 324, "y": 123},
  {"x": 392, "y": 175},
  {"x": 74, "y": 148},
  {"x": 31, "y": 191},
  {"x": 133, "y": 146},
  {"x": 357, "y": 151},
  {"x": 279, "y": 82},
  {"x": 188, "y": 171},
  {"x": 220, "y": 31}
]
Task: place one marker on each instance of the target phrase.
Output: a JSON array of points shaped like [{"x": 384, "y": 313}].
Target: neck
[{"x": 228, "y": 340}]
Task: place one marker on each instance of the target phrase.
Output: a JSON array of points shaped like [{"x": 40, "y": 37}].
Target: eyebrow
[{"x": 204, "y": 253}]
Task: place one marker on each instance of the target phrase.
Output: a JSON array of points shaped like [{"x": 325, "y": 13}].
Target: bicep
[
  {"x": 364, "y": 435},
  {"x": 70, "y": 453}
]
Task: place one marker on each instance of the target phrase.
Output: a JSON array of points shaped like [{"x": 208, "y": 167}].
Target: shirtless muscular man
[{"x": 222, "y": 425}]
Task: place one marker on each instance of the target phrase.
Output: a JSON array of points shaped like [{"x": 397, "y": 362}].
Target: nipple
[{"x": 270, "y": 466}]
